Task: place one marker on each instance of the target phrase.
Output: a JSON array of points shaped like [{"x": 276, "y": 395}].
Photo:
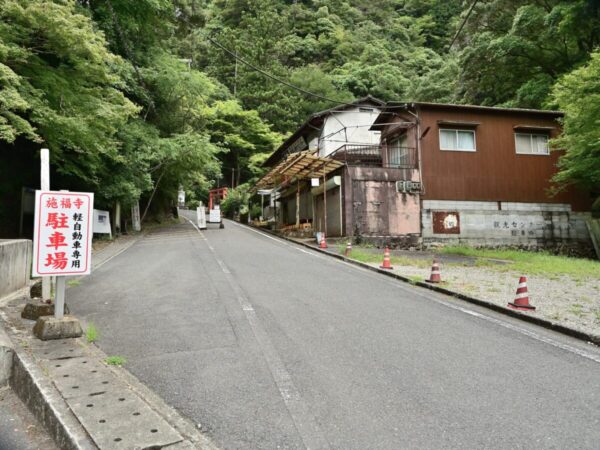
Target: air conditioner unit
[
  {"x": 415, "y": 186},
  {"x": 402, "y": 186}
]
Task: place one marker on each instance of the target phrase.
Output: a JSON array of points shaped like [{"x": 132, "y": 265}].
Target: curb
[
  {"x": 40, "y": 396},
  {"x": 7, "y": 351},
  {"x": 554, "y": 326}
]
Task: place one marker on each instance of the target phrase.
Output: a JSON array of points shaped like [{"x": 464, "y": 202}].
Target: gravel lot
[{"x": 571, "y": 302}]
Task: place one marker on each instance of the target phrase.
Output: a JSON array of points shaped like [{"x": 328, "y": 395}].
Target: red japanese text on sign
[{"x": 63, "y": 233}]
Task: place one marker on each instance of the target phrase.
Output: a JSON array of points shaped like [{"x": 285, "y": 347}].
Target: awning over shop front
[{"x": 301, "y": 165}]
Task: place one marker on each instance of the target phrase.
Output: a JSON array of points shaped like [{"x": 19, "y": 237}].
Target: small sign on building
[{"x": 62, "y": 240}]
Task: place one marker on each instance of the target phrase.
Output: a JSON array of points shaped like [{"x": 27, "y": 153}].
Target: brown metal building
[{"x": 453, "y": 172}]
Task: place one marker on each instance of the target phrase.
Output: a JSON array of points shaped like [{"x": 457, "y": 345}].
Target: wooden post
[
  {"x": 298, "y": 204},
  {"x": 325, "y": 204},
  {"x": 117, "y": 218},
  {"x": 45, "y": 186}
]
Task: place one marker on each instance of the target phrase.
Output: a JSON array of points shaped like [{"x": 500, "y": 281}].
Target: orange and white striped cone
[
  {"x": 436, "y": 273},
  {"x": 521, "y": 300},
  {"x": 386, "y": 260},
  {"x": 348, "y": 249},
  {"x": 323, "y": 243}
]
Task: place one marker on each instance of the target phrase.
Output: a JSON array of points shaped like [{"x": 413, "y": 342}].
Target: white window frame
[
  {"x": 402, "y": 139},
  {"x": 456, "y": 130},
  {"x": 531, "y": 135}
]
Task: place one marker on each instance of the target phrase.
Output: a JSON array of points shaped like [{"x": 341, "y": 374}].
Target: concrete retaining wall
[
  {"x": 6, "y": 358},
  {"x": 500, "y": 223},
  {"x": 15, "y": 262}
]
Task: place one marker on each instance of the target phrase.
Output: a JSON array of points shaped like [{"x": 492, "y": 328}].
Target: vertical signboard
[{"x": 62, "y": 242}]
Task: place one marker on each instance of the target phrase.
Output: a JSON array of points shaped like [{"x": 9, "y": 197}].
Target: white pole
[
  {"x": 45, "y": 186},
  {"x": 59, "y": 300}
]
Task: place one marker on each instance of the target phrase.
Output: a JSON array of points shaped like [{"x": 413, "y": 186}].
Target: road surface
[{"x": 267, "y": 345}]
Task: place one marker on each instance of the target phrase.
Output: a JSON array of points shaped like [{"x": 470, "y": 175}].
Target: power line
[
  {"x": 272, "y": 77},
  {"x": 463, "y": 23}
]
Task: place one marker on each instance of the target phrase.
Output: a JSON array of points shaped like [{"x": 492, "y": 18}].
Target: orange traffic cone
[
  {"x": 348, "y": 249},
  {"x": 386, "y": 260},
  {"x": 436, "y": 274},
  {"x": 323, "y": 244},
  {"x": 522, "y": 297}
]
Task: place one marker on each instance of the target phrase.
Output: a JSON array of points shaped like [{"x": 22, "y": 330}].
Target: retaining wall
[
  {"x": 15, "y": 265},
  {"x": 504, "y": 223}
]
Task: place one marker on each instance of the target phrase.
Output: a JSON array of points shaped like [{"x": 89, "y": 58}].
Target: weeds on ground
[
  {"x": 366, "y": 257},
  {"x": 91, "y": 333},
  {"x": 555, "y": 316},
  {"x": 542, "y": 263},
  {"x": 73, "y": 282},
  {"x": 576, "y": 309},
  {"x": 115, "y": 360},
  {"x": 414, "y": 279},
  {"x": 597, "y": 314}
]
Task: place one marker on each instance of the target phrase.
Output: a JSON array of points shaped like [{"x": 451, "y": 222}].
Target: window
[
  {"x": 531, "y": 144},
  {"x": 398, "y": 151},
  {"x": 457, "y": 140},
  {"x": 365, "y": 110}
]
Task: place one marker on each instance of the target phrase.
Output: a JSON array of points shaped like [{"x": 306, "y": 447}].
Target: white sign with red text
[{"x": 62, "y": 239}]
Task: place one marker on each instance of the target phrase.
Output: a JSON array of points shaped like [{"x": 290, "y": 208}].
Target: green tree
[{"x": 578, "y": 95}]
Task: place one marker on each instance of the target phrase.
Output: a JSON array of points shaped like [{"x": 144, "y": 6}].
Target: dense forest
[{"x": 138, "y": 98}]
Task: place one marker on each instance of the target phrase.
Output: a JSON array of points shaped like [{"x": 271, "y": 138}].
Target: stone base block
[
  {"x": 34, "y": 309},
  {"x": 48, "y": 327}
]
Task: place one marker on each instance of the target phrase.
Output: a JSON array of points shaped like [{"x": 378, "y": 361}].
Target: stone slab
[
  {"x": 34, "y": 309},
  {"x": 6, "y": 358},
  {"x": 83, "y": 376},
  {"x": 57, "y": 349},
  {"x": 48, "y": 327},
  {"x": 119, "y": 419}
]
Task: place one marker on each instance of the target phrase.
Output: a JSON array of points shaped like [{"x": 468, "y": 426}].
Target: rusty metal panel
[{"x": 446, "y": 222}]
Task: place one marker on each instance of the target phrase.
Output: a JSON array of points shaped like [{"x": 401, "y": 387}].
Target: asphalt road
[{"x": 267, "y": 345}]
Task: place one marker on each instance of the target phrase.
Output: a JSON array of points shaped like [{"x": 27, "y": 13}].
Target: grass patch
[
  {"x": 91, "y": 333},
  {"x": 576, "y": 309},
  {"x": 541, "y": 263},
  {"x": 368, "y": 257},
  {"x": 115, "y": 360},
  {"x": 414, "y": 279},
  {"x": 73, "y": 282},
  {"x": 597, "y": 314}
]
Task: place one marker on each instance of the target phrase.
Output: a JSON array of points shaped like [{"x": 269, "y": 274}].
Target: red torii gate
[{"x": 216, "y": 196}]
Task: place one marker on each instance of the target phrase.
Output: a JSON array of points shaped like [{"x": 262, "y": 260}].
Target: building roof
[
  {"x": 314, "y": 122},
  {"x": 300, "y": 165},
  {"x": 391, "y": 107}
]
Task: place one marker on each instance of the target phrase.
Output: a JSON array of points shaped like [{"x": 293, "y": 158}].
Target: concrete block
[
  {"x": 15, "y": 261},
  {"x": 48, "y": 327},
  {"x": 34, "y": 309},
  {"x": 6, "y": 358}
]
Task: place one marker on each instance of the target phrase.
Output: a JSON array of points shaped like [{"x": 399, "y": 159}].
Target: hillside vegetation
[{"x": 136, "y": 97}]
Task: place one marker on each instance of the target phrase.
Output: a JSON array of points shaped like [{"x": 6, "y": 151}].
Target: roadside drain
[{"x": 112, "y": 414}]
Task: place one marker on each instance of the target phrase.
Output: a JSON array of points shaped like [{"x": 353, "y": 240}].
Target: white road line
[
  {"x": 306, "y": 425},
  {"x": 414, "y": 291}
]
